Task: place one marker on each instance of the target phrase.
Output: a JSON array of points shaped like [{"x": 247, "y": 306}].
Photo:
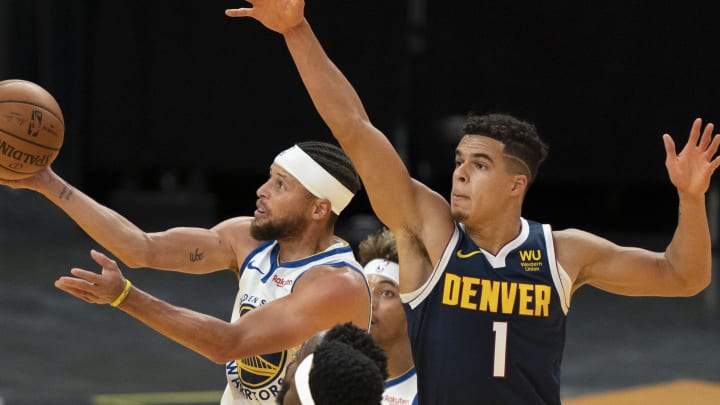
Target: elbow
[
  {"x": 219, "y": 358},
  {"x": 700, "y": 286},
  {"x": 131, "y": 262},
  {"x": 138, "y": 255},
  {"x": 350, "y": 126},
  {"x": 224, "y": 351},
  {"x": 134, "y": 259},
  {"x": 223, "y": 356},
  {"x": 695, "y": 286}
]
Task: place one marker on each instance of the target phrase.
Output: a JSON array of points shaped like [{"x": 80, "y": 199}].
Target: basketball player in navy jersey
[
  {"x": 487, "y": 291},
  {"x": 296, "y": 277}
]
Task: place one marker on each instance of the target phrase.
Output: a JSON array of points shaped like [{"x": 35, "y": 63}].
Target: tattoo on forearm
[
  {"x": 197, "y": 255},
  {"x": 65, "y": 193}
]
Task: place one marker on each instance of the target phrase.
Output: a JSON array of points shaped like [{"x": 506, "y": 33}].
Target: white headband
[
  {"x": 316, "y": 179},
  {"x": 384, "y": 268},
  {"x": 302, "y": 381}
]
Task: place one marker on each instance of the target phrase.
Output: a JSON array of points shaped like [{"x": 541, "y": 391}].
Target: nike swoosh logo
[
  {"x": 251, "y": 266},
  {"x": 462, "y": 255}
]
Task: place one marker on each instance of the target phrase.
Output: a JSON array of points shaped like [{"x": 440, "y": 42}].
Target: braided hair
[{"x": 335, "y": 161}]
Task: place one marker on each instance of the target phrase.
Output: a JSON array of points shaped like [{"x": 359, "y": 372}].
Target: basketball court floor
[{"x": 57, "y": 350}]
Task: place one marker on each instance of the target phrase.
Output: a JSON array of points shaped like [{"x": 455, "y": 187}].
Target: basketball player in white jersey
[
  {"x": 296, "y": 277},
  {"x": 378, "y": 255}
]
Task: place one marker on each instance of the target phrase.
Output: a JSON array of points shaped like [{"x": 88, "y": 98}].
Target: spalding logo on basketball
[{"x": 32, "y": 129}]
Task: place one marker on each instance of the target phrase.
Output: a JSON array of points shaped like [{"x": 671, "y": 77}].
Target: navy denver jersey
[{"x": 491, "y": 329}]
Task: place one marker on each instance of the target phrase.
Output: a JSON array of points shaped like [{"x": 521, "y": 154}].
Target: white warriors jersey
[
  {"x": 257, "y": 379},
  {"x": 401, "y": 390}
]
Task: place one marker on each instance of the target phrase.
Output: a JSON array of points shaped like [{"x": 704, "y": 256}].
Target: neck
[
  {"x": 492, "y": 238},
  {"x": 399, "y": 357},
  {"x": 304, "y": 246}
]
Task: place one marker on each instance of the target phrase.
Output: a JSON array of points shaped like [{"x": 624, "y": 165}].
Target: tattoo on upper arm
[
  {"x": 197, "y": 255},
  {"x": 65, "y": 193}
]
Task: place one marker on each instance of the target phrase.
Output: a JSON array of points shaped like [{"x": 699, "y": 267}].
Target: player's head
[
  {"x": 378, "y": 255},
  {"x": 288, "y": 394},
  {"x": 380, "y": 245},
  {"x": 345, "y": 368},
  {"x": 361, "y": 341},
  {"x": 524, "y": 151},
  {"x": 495, "y": 161},
  {"x": 311, "y": 181}
]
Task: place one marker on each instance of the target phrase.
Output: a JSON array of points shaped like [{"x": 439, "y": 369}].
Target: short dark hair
[
  {"x": 348, "y": 367},
  {"x": 343, "y": 375},
  {"x": 520, "y": 137},
  {"x": 380, "y": 245},
  {"x": 335, "y": 161},
  {"x": 360, "y": 340}
]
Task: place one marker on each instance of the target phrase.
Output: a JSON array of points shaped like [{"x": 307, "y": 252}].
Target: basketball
[{"x": 32, "y": 129}]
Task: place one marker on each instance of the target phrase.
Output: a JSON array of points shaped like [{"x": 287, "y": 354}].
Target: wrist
[
  {"x": 119, "y": 300},
  {"x": 295, "y": 29}
]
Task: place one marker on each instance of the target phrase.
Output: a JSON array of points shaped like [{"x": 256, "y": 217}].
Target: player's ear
[
  {"x": 519, "y": 184},
  {"x": 321, "y": 208}
]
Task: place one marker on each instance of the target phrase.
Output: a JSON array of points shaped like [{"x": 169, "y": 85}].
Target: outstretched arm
[
  {"x": 398, "y": 200},
  {"x": 191, "y": 250},
  {"x": 322, "y": 298},
  {"x": 685, "y": 266}
]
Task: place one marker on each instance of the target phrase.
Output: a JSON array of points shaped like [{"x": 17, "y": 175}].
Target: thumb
[{"x": 102, "y": 259}]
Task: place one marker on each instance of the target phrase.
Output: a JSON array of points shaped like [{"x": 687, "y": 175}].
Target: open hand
[
  {"x": 691, "y": 169},
  {"x": 102, "y": 288},
  {"x": 277, "y": 15}
]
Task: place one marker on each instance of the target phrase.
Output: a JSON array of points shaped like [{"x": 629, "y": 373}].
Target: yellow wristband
[{"x": 123, "y": 294}]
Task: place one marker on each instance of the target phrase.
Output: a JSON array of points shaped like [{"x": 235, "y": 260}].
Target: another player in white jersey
[
  {"x": 378, "y": 255},
  {"x": 296, "y": 277}
]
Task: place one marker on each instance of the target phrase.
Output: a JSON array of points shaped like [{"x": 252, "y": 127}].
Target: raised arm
[
  {"x": 190, "y": 250},
  {"x": 398, "y": 200},
  {"x": 394, "y": 196},
  {"x": 684, "y": 268}
]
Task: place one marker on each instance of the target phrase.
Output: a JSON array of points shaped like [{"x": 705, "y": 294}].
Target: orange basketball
[{"x": 32, "y": 129}]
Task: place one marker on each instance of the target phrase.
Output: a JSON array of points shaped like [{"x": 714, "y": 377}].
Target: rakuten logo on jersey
[
  {"x": 393, "y": 400},
  {"x": 281, "y": 282}
]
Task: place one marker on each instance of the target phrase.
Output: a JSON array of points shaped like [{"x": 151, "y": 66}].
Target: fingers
[
  {"x": 77, "y": 288},
  {"x": 238, "y": 12},
  {"x": 669, "y": 146},
  {"x": 695, "y": 132},
  {"x": 706, "y": 136},
  {"x": 707, "y": 143},
  {"x": 704, "y": 143},
  {"x": 87, "y": 276},
  {"x": 104, "y": 261},
  {"x": 713, "y": 147},
  {"x": 96, "y": 288},
  {"x": 100, "y": 258}
]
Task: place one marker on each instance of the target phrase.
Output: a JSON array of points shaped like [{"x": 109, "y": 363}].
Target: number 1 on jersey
[{"x": 500, "y": 329}]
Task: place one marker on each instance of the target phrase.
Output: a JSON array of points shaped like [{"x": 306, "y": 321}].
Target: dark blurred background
[
  {"x": 174, "y": 112},
  {"x": 174, "y": 95}
]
